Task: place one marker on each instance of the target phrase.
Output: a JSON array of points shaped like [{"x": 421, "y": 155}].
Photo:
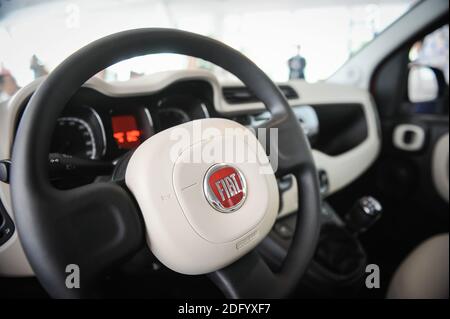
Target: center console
[{"x": 338, "y": 266}]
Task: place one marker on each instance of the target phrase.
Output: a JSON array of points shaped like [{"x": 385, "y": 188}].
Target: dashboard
[
  {"x": 100, "y": 128},
  {"x": 104, "y": 122}
]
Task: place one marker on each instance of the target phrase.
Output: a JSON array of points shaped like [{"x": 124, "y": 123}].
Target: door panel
[{"x": 403, "y": 179}]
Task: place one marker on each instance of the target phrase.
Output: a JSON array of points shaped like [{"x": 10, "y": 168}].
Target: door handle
[{"x": 409, "y": 137}]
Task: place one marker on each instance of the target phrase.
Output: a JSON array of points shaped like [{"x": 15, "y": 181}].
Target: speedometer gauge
[
  {"x": 171, "y": 116},
  {"x": 73, "y": 136}
]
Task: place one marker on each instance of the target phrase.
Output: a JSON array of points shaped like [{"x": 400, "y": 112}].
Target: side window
[{"x": 428, "y": 76}]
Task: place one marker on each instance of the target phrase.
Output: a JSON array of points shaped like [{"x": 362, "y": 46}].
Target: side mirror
[{"x": 425, "y": 83}]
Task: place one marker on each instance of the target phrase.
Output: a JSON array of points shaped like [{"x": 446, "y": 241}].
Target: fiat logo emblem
[{"x": 225, "y": 188}]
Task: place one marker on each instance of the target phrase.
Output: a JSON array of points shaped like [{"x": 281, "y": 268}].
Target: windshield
[{"x": 286, "y": 38}]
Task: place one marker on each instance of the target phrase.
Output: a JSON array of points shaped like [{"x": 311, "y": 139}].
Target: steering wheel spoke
[
  {"x": 249, "y": 277},
  {"x": 98, "y": 226}
]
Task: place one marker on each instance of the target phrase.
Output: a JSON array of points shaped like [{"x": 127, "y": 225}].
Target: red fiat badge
[{"x": 225, "y": 188}]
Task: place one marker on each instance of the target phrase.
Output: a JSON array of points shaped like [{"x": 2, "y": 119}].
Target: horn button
[{"x": 222, "y": 202}]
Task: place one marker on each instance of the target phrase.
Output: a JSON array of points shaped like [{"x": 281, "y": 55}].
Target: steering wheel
[{"x": 196, "y": 218}]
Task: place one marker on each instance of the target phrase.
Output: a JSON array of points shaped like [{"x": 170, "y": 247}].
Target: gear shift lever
[{"x": 363, "y": 215}]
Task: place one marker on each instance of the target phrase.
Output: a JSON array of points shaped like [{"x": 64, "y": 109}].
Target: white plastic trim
[
  {"x": 417, "y": 137},
  {"x": 440, "y": 167}
]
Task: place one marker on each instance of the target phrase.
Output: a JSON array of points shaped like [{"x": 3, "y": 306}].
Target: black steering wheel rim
[{"x": 53, "y": 225}]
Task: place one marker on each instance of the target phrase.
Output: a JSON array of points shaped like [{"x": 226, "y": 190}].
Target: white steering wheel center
[{"x": 207, "y": 194}]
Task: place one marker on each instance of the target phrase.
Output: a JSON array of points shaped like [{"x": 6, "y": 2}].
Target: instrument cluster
[{"x": 100, "y": 128}]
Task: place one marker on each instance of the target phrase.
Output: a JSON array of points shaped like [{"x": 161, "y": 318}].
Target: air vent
[
  {"x": 241, "y": 94},
  {"x": 288, "y": 92}
]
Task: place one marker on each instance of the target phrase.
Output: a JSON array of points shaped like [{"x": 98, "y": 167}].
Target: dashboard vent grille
[{"x": 241, "y": 94}]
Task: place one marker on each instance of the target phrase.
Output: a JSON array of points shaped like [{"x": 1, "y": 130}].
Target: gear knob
[{"x": 363, "y": 215}]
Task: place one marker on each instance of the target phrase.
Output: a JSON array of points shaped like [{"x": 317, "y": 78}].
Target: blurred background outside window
[
  {"x": 307, "y": 39},
  {"x": 428, "y": 76}
]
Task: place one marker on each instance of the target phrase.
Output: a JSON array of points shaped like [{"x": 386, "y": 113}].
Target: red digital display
[{"x": 125, "y": 131}]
